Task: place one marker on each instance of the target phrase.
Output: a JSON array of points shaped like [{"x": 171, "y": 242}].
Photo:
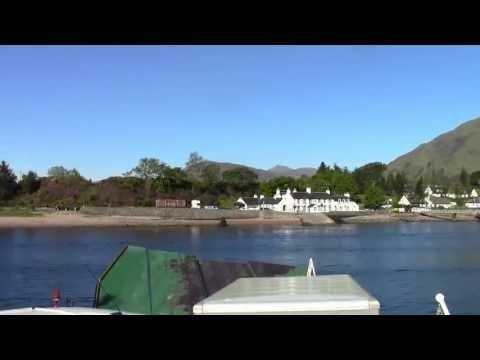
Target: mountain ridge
[
  {"x": 446, "y": 154},
  {"x": 263, "y": 175}
]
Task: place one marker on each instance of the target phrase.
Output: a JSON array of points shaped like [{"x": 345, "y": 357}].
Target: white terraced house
[
  {"x": 299, "y": 202},
  {"x": 473, "y": 203},
  {"x": 440, "y": 202},
  {"x": 313, "y": 202},
  {"x": 257, "y": 203},
  {"x": 437, "y": 191}
]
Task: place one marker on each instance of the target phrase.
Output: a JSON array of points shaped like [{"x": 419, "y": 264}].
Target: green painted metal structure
[{"x": 157, "y": 282}]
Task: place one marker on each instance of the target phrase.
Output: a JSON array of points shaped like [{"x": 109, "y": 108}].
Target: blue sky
[{"x": 101, "y": 108}]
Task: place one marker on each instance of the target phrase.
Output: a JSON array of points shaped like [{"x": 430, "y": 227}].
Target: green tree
[
  {"x": 374, "y": 197},
  {"x": 148, "y": 169},
  {"x": 172, "y": 180},
  {"x": 399, "y": 184},
  {"x": 241, "y": 180},
  {"x": 211, "y": 174},
  {"x": 226, "y": 202},
  {"x": 464, "y": 178},
  {"x": 194, "y": 159},
  {"x": 475, "y": 178},
  {"x": 342, "y": 182},
  {"x": 8, "y": 182},
  {"x": 60, "y": 171},
  {"x": 368, "y": 174},
  {"x": 419, "y": 191},
  {"x": 390, "y": 184},
  {"x": 30, "y": 183},
  {"x": 57, "y": 171},
  {"x": 323, "y": 168}
]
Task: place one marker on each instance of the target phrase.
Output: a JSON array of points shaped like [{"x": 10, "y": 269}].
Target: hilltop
[
  {"x": 445, "y": 155},
  {"x": 263, "y": 175}
]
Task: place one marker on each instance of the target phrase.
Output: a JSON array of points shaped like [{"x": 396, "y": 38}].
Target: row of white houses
[
  {"x": 436, "y": 199},
  {"x": 437, "y": 191},
  {"x": 300, "y": 202}
]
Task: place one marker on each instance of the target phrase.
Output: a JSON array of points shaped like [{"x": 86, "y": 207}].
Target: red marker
[{"x": 56, "y": 297}]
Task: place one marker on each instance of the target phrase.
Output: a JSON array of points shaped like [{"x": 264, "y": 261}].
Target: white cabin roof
[{"x": 314, "y": 295}]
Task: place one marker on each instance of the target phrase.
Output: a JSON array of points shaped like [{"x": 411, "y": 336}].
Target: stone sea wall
[{"x": 199, "y": 214}]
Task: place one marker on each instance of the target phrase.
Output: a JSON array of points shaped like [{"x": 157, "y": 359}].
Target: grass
[{"x": 17, "y": 211}]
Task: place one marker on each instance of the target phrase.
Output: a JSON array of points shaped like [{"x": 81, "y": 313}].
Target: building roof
[
  {"x": 252, "y": 201},
  {"x": 270, "y": 201},
  {"x": 441, "y": 200},
  {"x": 316, "y": 195}
]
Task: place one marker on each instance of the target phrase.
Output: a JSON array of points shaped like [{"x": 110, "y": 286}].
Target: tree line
[{"x": 151, "y": 178}]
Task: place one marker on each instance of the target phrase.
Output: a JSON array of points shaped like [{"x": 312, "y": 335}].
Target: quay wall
[{"x": 184, "y": 213}]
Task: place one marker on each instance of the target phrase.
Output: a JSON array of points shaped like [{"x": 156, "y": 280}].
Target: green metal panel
[{"x": 160, "y": 282}]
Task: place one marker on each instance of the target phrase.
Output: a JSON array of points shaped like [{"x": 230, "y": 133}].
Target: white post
[
  {"x": 442, "y": 306},
  {"x": 311, "y": 269}
]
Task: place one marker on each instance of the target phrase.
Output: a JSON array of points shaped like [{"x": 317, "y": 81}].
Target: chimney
[
  {"x": 277, "y": 194},
  {"x": 262, "y": 196},
  {"x": 255, "y": 196},
  {"x": 309, "y": 190},
  {"x": 347, "y": 195},
  {"x": 328, "y": 191},
  {"x": 288, "y": 191},
  {"x": 294, "y": 190}
]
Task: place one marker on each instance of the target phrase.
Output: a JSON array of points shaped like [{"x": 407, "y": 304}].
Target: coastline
[
  {"x": 80, "y": 220},
  {"x": 68, "y": 220}
]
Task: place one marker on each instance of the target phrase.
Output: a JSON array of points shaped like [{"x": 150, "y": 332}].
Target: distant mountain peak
[
  {"x": 263, "y": 175},
  {"x": 278, "y": 168}
]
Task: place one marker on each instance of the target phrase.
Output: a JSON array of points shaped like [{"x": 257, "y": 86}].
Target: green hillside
[{"x": 445, "y": 155}]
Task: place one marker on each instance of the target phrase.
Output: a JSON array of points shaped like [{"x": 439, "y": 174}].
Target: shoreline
[
  {"x": 73, "y": 220},
  {"x": 80, "y": 220}
]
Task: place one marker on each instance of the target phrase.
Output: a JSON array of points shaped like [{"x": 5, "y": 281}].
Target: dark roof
[
  {"x": 251, "y": 200},
  {"x": 316, "y": 195},
  {"x": 441, "y": 200},
  {"x": 270, "y": 201}
]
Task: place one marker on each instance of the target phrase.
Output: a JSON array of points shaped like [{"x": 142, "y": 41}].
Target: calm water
[{"x": 402, "y": 265}]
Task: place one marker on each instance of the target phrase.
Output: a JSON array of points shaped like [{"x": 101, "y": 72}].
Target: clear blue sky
[{"x": 102, "y": 108}]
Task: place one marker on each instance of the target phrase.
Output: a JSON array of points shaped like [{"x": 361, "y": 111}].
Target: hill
[
  {"x": 445, "y": 155},
  {"x": 263, "y": 175}
]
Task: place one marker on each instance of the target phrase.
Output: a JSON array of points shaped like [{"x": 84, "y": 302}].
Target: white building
[
  {"x": 474, "y": 193},
  {"x": 473, "y": 203},
  {"x": 312, "y": 202},
  {"x": 452, "y": 195},
  {"x": 439, "y": 202},
  {"x": 404, "y": 201},
  {"x": 257, "y": 202},
  {"x": 195, "y": 204},
  {"x": 437, "y": 198},
  {"x": 434, "y": 190},
  {"x": 388, "y": 204}
]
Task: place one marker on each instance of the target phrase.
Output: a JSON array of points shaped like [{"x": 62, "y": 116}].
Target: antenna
[{"x": 105, "y": 291}]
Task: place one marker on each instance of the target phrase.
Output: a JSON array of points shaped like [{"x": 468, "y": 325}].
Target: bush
[{"x": 226, "y": 202}]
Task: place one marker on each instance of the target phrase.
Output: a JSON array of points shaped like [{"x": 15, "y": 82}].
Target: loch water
[{"x": 403, "y": 265}]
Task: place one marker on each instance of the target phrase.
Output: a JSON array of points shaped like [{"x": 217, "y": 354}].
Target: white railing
[{"x": 442, "y": 308}]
